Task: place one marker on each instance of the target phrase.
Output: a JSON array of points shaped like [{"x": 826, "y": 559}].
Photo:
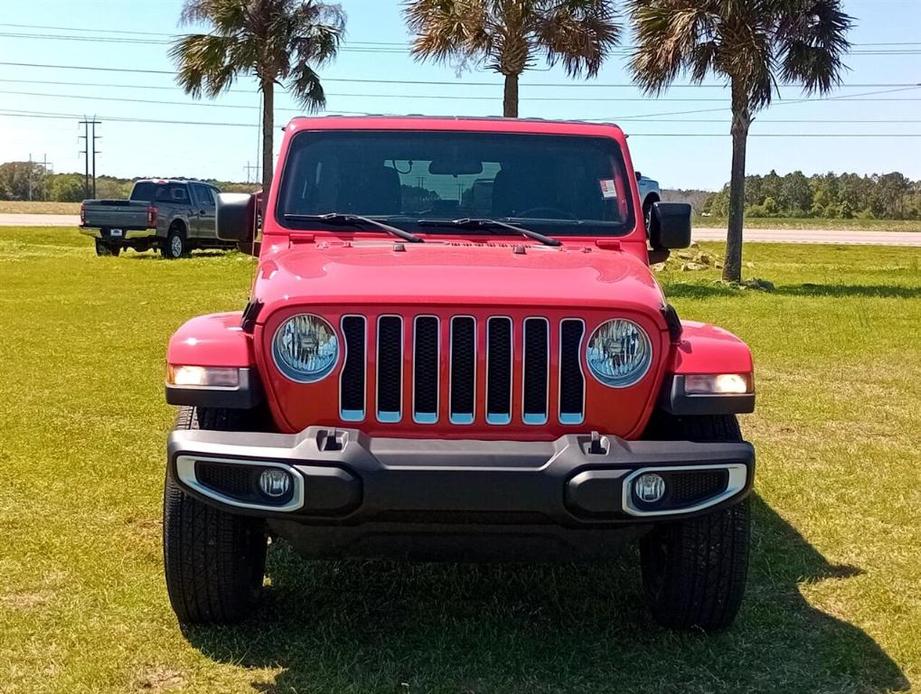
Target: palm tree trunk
[
  {"x": 268, "y": 134},
  {"x": 510, "y": 97},
  {"x": 741, "y": 120}
]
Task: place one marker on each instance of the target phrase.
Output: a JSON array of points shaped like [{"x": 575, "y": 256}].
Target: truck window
[
  {"x": 173, "y": 192},
  {"x": 144, "y": 191},
  {"x": 574, "y": 185},
  {"x": 203, "y": 195}
]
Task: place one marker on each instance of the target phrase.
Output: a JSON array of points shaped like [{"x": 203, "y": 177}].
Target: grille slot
[
  {"x": 425, "y": 370},
  {"x": 389, "y": 369},
  {"x": 499, "y": 370},
  {"x": 536, "y": 370},
  {"x": 352, "y": 379},
  {"x": 430, "y": 369},
  {"x": 572, "y": 381},
  {"x": 463, "y": 370}
]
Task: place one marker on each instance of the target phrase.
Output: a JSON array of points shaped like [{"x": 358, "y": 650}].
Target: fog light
[
  {"x": 649, "y": 488},
  {"x": 274, "y": 482}
]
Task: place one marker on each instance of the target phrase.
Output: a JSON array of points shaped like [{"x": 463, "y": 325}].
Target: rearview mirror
[
  {"x": 235, "y": 217},
  {"x": 670, "y": 225},
  {"x": 456, "y": 166}
]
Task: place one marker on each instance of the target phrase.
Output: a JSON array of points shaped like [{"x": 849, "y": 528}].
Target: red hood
[{"x": 455, "y": 273}]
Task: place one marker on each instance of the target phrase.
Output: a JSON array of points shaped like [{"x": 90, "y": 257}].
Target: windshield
[{"x": 559, "y": 185}]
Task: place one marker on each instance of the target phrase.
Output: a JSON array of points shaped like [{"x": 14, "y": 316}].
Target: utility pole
[
  {"x": 30, "y": 176},
  {"x": 90, "y": 152},
  {"x": 249, "y": 169}
]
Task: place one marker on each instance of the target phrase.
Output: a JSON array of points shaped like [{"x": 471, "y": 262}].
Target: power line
[
  {"x": 455, "y": 83},
  {"x": 400, "y": 44},
  {"x": 36, "y": 114}
]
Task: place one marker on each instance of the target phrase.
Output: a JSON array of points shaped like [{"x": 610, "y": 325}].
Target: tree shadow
[
  {"x": 704, "y": 290},
  {"x": 848, "y": 290},
  {"x": 380, "y": 626}
]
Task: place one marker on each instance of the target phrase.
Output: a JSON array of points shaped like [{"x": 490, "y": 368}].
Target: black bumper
[{"x": 346, "y": 479}]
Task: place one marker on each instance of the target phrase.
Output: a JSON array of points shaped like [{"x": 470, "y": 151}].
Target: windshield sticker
[{"x": 608, "y": 189}]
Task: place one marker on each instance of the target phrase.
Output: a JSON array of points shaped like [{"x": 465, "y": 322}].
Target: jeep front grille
[{"x": 429, "y": 368}]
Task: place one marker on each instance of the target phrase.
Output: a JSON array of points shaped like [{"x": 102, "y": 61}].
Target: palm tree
[
  {"x": 277, "y": 41},
  {"x": 751, "y": 44},
  {"x": 508, "y": 36}
]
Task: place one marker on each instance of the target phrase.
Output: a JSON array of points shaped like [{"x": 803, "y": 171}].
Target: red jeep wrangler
[{"x": 455, "y": 349}]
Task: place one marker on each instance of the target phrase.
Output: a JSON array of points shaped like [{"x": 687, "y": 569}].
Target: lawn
[
  {"x": 38, "y": 207},
  {"x": 834, "y": 600},
  {"x": 815, "y": 223}
]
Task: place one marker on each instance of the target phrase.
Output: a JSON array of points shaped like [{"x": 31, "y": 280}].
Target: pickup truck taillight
[
  {"x": 151, "y": 216},
  {"x": 82, "y": 213}
]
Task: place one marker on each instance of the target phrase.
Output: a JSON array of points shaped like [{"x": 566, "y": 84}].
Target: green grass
[
  {"x": 38, "y": 207},
  {"x": 816, "y": 223},
  {"x": 834, "y": 600}
]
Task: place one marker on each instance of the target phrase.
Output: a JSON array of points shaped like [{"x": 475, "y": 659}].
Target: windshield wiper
[
  {"x": 489, "y": 224},
  {"x": 345, "y": 219}
]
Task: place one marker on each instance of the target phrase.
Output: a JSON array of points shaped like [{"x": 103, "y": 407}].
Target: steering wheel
[{"x": 555, "y": 213}]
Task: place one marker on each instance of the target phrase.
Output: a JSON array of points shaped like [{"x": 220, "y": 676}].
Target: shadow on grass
[
  {"x": 155, "y": 255},
  {"x": 849, "y": 290},
  {"x": 706, "y": 290},
  {"x": 365, "y": 626}
]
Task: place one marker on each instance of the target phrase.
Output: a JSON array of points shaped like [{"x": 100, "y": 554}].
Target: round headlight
[
  {"x": 619, "y": 353},
  {"x": 305, "y": 348}
]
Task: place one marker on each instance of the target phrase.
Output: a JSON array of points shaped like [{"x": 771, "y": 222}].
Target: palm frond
[
  {"x": 578, "y": 33},
  {"x": 448, "y": 30},
  {"x": 202, "y": 62},
  {"x": 812, "y": 45}
]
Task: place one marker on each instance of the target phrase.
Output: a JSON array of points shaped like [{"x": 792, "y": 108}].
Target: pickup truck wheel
[
  {"x": 214, "y": 560},
  {"x": 176, "y": 244},
  {"x": 103, "y": 248},
  {"x": 694, "y": 571}
]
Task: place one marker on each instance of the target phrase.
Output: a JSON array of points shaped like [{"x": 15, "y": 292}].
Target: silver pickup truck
[{"x": 175, "y": 216}]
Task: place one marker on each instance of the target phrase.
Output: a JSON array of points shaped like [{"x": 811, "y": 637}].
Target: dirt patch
[{"x": 159, "y": 679}]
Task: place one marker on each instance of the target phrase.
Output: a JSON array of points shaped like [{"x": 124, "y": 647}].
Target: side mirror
[
  {"x": 670, "y": 225},
  {"x": 638, "y": 176},
  {"x": 235, "y": 217}
]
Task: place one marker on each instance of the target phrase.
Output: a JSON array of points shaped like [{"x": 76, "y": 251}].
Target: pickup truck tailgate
[{"x": 120, "y": 214}]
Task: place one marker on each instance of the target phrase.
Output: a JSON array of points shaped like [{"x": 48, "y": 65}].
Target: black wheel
[
  {"x": 214, "y": 561},
  {"x": 103, "y": 248},
  {"x": 647, "y": 214},
  {"x": 694, "y": 571},
  {"x": 176, "y": 244}
]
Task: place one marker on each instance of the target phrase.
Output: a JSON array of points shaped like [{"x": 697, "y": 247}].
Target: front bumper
[{"x": 341, "y": 477}]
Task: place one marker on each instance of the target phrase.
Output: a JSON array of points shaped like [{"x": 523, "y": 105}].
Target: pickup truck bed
[{"x": 121, "y": 214}]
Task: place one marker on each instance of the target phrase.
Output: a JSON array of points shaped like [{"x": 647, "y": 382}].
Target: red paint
[{"x": 335, "y": 273}]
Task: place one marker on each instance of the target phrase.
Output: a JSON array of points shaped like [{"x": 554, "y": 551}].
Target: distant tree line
[
  {"x": 18, "y": 177},
  {"x": 831, "y": 196}
]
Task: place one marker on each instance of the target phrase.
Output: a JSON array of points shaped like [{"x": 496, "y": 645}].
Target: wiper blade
[
  {"x": 345, "y": 219},
  {"x": 487, "y": 224}
]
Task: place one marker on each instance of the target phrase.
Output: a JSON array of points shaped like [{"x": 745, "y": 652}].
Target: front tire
[
  {"x": 694, "y": 571},
  {"x": 214, "y": 561}
]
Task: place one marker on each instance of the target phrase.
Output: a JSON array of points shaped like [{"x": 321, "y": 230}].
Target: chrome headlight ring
[
  {"x": 305, "y": 348},
  {"x": 619, "y": 353}
]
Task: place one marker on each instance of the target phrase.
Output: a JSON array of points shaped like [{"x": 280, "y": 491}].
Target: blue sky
[{"x": 661, "y": 146}]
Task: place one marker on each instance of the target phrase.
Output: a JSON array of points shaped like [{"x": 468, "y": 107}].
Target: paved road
[
  {"x": 880, "y": 238},
  {"x": 39, "y": 220},
  {"x": 875, "y": 238}
]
